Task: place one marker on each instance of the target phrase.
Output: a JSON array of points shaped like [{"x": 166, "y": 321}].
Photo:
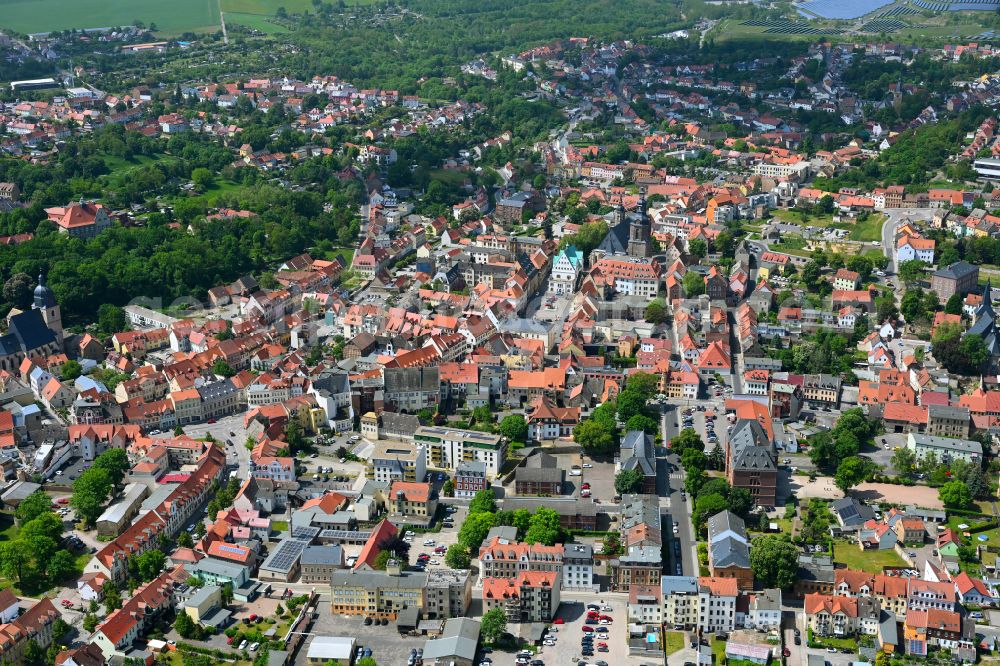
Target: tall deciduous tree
[
  {"x": 494, "y": 624},
  {"x": 774, "y": 561}
]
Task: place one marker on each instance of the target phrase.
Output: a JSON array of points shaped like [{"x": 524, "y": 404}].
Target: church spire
[{"x": 986, "y": 307}]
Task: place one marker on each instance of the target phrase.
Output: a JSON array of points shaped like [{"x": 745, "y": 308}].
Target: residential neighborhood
[{"x": 678, "y": 354}]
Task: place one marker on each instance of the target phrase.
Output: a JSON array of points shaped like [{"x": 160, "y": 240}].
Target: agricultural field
[{"x": 29, "y": 16}]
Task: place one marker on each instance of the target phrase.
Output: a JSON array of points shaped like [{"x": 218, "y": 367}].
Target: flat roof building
[{"x": 338, "y": 649}]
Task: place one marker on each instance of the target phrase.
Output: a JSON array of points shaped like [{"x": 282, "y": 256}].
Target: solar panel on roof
[{"x": 306, "y": 532}]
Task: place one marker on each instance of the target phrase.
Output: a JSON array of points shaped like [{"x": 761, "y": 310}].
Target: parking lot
[
  {"x": 696, "y": 419},
  {"x": 387, "y": 645},
  {"x": 573, "y": 613},
  {"x": 71, "y": 472},
  {"x": 599, "y": 474},
  {"x": 219, "y": 430},
  {"x": 446, "y": 537}
]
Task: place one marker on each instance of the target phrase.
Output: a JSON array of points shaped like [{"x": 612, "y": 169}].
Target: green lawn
[
  {"x": 673, "y": 641},
  {"x": 345, "y": 253},
  {"x": 839, "y": 643},
  {"x": 872, "y": 561},
  {"x": 993, "y": 536},
  {"x": 279, "y": 525},
  {"x": 259, "y": 22},
  {"x": 8, "y": 530},
  {"x": 718, "y": 652},
  {"x": 869, "y": 230},
  {"x": 220, "y": 187},
  {"x": 449, "y": 176}
]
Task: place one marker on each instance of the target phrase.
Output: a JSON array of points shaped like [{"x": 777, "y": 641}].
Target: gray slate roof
[{"x": 637, "y": 453}]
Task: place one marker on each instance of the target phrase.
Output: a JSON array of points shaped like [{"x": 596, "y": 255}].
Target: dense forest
[{"x": 157, "y": 260}]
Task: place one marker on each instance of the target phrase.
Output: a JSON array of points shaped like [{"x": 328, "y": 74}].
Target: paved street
[{"x": 895, "y": 217}]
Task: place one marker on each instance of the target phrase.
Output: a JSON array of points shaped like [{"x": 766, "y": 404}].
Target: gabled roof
[{"x": 819, "y": 603}]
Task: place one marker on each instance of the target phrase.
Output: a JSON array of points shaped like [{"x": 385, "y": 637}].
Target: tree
[
  {"x": 33, "y": 654},
  {"x": 955, "y": 495},
  {"x": 693, "y": 459},
  {"x": 687, "y": 439},
  {"x": 33, "y": 506},
  {"x": 474, "y": 530},
  {"x": 90, "y": 491},
  {"x": 971, "y": 473},
  {"x": 89, "y": 622},
  {"x": 112, "y": 597},
  {"x": 912, "y": 305},
  {"x": 774, "y": 561},
  {"x": 514, "y": 428},
  {"x": 71, "y": 370},
  {"x": 656, "y": 311},
  {"x": 631, "y": 403},
  {"x": 694, "y": 284},
  {"x": 885, "y": 308},
  {"x": 60, "y": 628},
  {"x": 642, "y": 422},
  {"x": 612, "y": 544},
  {"x": 717, "y": 458},
  {"x": 698, "y": 248},
  {"x": 904, "y": 461},
  {"x": 150, "y": 564},
  {"x": 740, "y": 501},
  {"x": 628, "y": 481},
  {"x": 643, "y": 384},
  {"x": 544, "y": 528},
  {"x": 382, "y": 559},
  {"x": 519, "y": 518},
  {"x": 448, "y": 488},
  {"x": 594, "y": 437},
  {"x": 852, "y": 471},
  {"x": 17, "y": 290},
  {"x": 222, "y": 368},
  {"x": 494, "y": 624},
  {"x": 186, "y": 627},
  {"x": 457, "y": 557},
  {"x": 203, "y": 178},
  {"x": 911, "y": 271},
  {"x": 15, "y": 557},
  {"x": 960, "y": 354},
  {"x": 706, "y": 506},
  {"x": 954, "y": 304},
  {"x": 60, "y": 566},
  {"x": 111, "y": 319},
  {"x": 694, "y": 480},
  {"x": 483, "y": 501},
  {"x": 115, "y": 462},
  {"x": 482, "y": 415}
]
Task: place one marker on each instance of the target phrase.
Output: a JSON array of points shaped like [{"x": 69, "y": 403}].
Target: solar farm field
[
  {"x": 843, "y": 9},
  {"x": 787, "y": 27},
  {"x": 883, "y": 25}
]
